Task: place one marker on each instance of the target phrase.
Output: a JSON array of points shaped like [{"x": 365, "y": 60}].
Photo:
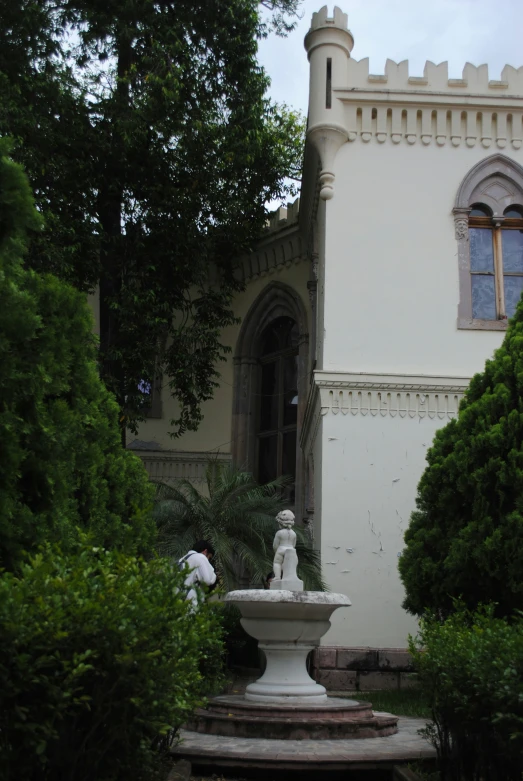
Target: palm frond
[{"x": 237, "y": 517}]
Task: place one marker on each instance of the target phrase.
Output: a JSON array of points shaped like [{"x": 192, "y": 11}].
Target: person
[
  {"x": 198, "y": 559},
  {"x": 268, "y": 580}
]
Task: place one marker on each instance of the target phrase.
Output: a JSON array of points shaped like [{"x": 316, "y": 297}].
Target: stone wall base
[{"x": 362, "y": 669}]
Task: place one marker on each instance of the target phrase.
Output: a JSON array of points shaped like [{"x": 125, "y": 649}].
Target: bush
[
  {"x": 466, "y": 538},
  {"x": 101, "y": 660},
  {"x": 62, "y": 464},
  {"x": 470, "y": 668}
]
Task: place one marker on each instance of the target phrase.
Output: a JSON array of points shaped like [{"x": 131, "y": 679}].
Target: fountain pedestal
[
  {"x": 285, "y": 703},
  {"x": 288, "y": 625}
]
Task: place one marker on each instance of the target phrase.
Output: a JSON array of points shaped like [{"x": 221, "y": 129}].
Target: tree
[
  {"x": 237, "y": 517},
  {"x": 465, "y": 540},
  {"x": 152, "y": 150},
  {"x": 62, "y": 465}
]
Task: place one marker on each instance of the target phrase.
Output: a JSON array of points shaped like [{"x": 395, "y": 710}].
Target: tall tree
[
  {"x": 152, "y": 149},
  {"x": 465, "y": 540},
  {"x": 62, "y": 465}
]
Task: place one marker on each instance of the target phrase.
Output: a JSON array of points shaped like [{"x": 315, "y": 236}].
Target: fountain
[{"x": 285, "y": 702}]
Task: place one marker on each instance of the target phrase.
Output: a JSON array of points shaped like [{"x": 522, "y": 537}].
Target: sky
[{"x": 460, "y": 31}]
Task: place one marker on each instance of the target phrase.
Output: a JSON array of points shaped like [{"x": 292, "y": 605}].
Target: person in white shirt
[{"x": 198, "y": 559}]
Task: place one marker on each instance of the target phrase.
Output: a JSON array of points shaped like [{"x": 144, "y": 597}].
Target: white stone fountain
[
  {"x": 288, "y": 623},
  {"x": 286, "y": 702}
]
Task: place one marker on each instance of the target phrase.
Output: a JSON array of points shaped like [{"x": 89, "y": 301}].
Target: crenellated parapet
[
  {"x": 280, "y": 247},
  {"x": 347, "y": 103},
  {"x": 475, "y": 79}
]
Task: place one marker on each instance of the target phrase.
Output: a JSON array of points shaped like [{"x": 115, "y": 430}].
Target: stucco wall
[
  {"x": 214, "y": 432},
  {"x": 391, "y": 286},
  {"x": 391, "y": 305},
  {"x": 371, "y": 467}
]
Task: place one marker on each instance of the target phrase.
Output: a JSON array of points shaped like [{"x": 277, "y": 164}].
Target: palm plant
[{"x": 237, "y": 518}]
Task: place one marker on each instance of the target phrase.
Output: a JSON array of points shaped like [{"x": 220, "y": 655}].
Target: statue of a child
[{"x": 284, "y": 539}]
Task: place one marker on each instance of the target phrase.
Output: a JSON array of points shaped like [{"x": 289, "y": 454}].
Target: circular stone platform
[
  {"x": 336, "y": 719},
  {"x": 242, "y": 753}
]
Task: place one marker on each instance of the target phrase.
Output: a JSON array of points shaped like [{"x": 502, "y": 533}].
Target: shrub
[
  {"x": 470, "y": 668},
  {"x": 465, "y": 539},
  {"x": 62, "y": 464},
  {"x": 101, "y": 661}
]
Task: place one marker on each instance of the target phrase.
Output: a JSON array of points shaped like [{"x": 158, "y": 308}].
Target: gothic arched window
[
  {"x": 278, "y": 402},
  {"x": 489, "y": 229},
  {"x": 271, "y": 366}
]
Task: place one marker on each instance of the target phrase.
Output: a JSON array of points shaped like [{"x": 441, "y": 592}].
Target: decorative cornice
[
  {"x": 419, "y": 120},
  {"x": 169, "y": 465},
  {"x": 273, "y": 253},
  {"x": 407, "y": 382},
  {"x": 404, "y": 396}
]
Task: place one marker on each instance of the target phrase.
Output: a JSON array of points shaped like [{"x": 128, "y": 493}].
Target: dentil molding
[{"x": 385, "y": 395}]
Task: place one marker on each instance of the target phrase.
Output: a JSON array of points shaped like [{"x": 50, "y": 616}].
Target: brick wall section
[{"x": 363, "y": 669}]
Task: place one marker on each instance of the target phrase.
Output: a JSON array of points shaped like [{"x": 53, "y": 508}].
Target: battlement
[
  {"x": 475, "y": 79},
  {"x": 283, "y": 216},
  {"x": 322, "y": 19}
]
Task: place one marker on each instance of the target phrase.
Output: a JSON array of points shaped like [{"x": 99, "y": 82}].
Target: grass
[{"x": 400, "y": 702}]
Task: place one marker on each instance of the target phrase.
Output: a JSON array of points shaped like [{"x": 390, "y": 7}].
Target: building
[{"x": 368, "y": 306}]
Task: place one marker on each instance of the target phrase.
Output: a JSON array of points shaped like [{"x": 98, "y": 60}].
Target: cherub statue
[{"x": 284, "y": 539}]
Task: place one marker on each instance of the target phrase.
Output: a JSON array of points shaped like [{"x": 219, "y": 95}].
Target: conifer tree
[
  {"x": 465, "y": 540},
  {"x": 62, "y": 465}
]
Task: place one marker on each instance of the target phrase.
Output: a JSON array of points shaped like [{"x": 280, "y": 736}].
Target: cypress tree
[
  {"x": 62, "y": 465},
  {"x": 465, "y": 539}
]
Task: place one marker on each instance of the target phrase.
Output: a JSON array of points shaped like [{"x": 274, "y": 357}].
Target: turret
[{"x": 328, "y": 44}]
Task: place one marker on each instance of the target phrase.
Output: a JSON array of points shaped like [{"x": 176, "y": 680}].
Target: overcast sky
[{"x": 459, "y": 31}]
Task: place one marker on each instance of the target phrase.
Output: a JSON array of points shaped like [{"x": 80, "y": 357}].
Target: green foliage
[
  {"x": 410, "y": 702},
  {"x": 62, "y": 464},
  {"x": 152, "y": 151},
  {"x": 470, "y": 668},
  {"x": 237, "y": 516},
  {"x": 101, "y": 661},
  {"x": 465, "y": 540}
]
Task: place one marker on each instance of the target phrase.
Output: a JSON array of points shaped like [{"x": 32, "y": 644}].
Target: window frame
[
  {"x": 278, "y": 357},
  {"x": 495, "y": 182},
  {"x": 275, "y": 300},
  {"x": 496, "y": 226}
]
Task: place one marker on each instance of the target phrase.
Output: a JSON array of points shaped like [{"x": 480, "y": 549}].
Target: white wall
[
  {"x": 391, "y": 287},
  {"x": 371, "y": 467}
]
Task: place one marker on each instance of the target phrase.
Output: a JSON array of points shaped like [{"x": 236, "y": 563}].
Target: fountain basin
[{"x": 288, "y": 625}]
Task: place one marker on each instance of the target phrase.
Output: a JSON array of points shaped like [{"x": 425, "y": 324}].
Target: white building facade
[{"x": 365, "y": 315}]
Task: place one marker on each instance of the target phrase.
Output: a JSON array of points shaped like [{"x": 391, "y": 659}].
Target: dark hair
[
  {"x": 269, "y": 576},
  {"x": 202, "y": 545}
]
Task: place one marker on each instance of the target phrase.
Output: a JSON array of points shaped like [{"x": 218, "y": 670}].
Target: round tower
[{"x": 329, "y": 43}]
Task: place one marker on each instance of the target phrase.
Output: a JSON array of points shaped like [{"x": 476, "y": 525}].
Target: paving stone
[{"x": 405, "y": 745}]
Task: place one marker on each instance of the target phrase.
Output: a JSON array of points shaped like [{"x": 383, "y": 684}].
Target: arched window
[
  {"x": 271, "y": 366},
  {"x": 496, "y": 262},
  {"x": 278, "y": 402},
  {"x": 489, "y": 229}
]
